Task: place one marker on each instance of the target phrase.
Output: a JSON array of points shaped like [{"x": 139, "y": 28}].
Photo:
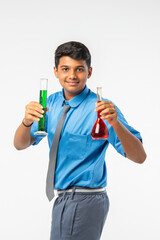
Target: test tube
[{"x": 43, "y": 102}]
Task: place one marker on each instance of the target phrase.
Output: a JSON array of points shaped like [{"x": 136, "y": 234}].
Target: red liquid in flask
[{"x": 99, "y": 130}]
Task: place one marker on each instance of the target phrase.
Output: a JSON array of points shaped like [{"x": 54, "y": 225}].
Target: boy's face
[{"x": 72, "y": 75}]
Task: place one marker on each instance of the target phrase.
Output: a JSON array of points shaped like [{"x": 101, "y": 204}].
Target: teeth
[{"x": 73, "y": 82}]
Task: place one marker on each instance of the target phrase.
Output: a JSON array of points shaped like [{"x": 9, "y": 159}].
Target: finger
[
  {"x": 32, "y": 118},
  {"x": 104, "y": 106},
  {"x": 35, "y": 108},
  {"x": 110, "y": 117},
  {"x": 102, "y": 103},
  {"x": 108, "y": 111},
  {"x": 36, "y": 104},
  {"x": 34, "y": 113}
]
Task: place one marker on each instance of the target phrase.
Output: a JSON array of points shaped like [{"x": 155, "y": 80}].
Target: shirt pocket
[{"x": 75, "y": 146}]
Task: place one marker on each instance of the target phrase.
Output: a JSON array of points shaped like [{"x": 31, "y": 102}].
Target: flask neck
[
  {"x": 99, "y": 94},
  {"x": 99, "y": 99}
]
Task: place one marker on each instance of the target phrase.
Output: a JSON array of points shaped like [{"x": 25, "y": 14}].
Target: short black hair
[{"x": 75, "y": 50}]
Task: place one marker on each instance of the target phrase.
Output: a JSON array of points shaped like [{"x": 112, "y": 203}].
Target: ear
[
  {"x": 56, "y": 72},
  {"x": 89, "y": 72}
]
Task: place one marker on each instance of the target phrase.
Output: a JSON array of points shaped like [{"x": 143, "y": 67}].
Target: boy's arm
[
  {"x": 23, "y": 137},
  {"x": 132, "y": 146}
]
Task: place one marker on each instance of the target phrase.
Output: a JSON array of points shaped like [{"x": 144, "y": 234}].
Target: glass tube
[{"x": 43, "y": 102}]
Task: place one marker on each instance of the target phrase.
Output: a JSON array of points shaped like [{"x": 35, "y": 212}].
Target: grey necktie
[{"x": 53, "y": 154}]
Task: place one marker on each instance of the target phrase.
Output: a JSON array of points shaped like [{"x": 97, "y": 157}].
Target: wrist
[
  {"x": 27, "y": 123},
  {"x": 116, "y": 124}
]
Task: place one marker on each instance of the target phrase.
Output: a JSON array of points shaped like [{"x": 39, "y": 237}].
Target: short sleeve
[{"x": 113, "y": 139}]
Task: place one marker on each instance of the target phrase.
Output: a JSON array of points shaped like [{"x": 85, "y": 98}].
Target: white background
[{"x": 123, "y": 38}]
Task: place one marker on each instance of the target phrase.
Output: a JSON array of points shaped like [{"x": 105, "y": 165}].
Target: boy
[{"x": 80, "y": 210}]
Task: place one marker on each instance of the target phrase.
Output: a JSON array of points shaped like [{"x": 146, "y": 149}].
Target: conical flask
[{"x": 99, "y": 130}]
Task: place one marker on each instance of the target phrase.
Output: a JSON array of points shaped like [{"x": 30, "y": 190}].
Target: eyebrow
[{"x": 68, "y": 66}]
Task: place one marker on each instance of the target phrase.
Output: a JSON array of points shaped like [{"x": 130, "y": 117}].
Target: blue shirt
[{"x": 80, "y": 159}]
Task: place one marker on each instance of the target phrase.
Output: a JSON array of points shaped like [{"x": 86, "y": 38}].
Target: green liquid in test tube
[{"x": 43, "y": 102}]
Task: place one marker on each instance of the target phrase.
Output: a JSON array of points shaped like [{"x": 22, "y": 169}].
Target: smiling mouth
[{"x": 72, "y": 83}]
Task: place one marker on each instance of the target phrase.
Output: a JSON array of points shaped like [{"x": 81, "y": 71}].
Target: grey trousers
[{"x": 79, "y": 216}]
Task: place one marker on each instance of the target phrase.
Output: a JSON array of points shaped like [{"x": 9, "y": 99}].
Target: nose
[{"x": 72, "y": 75}]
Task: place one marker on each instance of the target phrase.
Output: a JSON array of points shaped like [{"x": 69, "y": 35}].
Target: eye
[
  {"x": 79, "y": 69},
  {"x": 65, "y": 69}
]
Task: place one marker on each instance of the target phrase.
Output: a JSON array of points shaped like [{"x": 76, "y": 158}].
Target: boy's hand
[
  {"x": 33, "y": 112},
  {"x": 107, "y": 111}
]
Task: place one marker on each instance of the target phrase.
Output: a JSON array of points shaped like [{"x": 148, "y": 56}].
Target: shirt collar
[{"x": 74, "y": 102}]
